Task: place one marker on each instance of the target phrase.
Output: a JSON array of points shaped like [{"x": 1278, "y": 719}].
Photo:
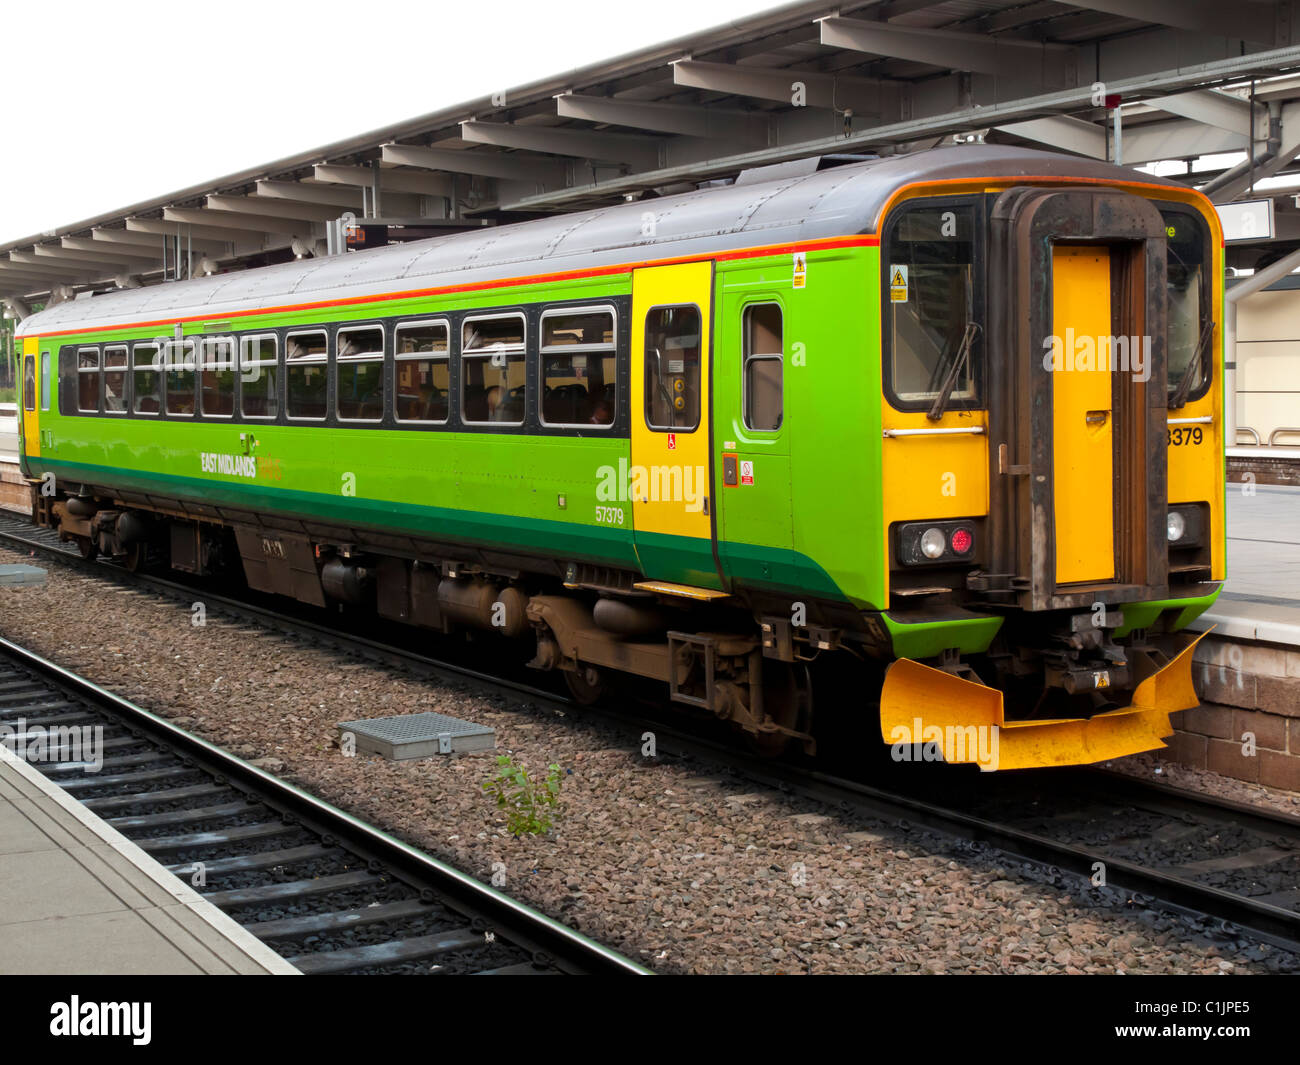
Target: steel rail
[{"x": 516, "y": 921}]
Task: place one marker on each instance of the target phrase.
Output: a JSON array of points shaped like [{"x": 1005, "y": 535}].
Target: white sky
[{"x": 108, "y": 104}]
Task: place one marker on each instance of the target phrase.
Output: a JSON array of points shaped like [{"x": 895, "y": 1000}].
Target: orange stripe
[
  {"x": 860, "y": 240},
  {"x": 1175, "y": 192}
]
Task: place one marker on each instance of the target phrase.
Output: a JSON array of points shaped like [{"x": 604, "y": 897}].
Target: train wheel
[
  {"x": 87, "y": 547},
  {"x": 137, "y": 556},
  {"x": 586, "y": 685},
  {"x": 787, "y": 701}
]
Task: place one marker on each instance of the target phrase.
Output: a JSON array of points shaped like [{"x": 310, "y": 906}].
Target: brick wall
[
  {"x": 1244, "y": 687},
  {"x": 14, "y": 490},
  {"x": 1266, "y": 471}
]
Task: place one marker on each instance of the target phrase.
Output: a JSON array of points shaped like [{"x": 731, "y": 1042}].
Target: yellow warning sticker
[
  {"x": 898, "y": 284},
  {"x": 800, "y": 270}
]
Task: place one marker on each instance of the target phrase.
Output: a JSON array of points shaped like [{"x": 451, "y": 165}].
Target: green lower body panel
[
  {"x": 970, "y": 635},
  {"x": 1182, "y": 612},
  {"x": 549, "y": 539}
]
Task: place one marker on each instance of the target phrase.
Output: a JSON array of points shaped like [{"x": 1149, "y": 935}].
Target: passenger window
[
  {"x": 115, "y": 380},
  {"x": 579, "y": 370},
  {"x": 29, "y": 383},
  {"x": 423, "y": 372},
  {"x": 305, "y": 372},
  {"x": 762, "y": 351},
  {"x": 672, "y": 368},
  {"x": 180, "y": 376},
  {"x": 147, "y": 379},
  {"x": 258, "y": 397},
  {"x": 492, "y": 365},
  {"x": 88, "y": 380},
  {"x": 217, "y": 377},
  {"x": 359, "y": 396},
  {"x": 930, "y": 303}
]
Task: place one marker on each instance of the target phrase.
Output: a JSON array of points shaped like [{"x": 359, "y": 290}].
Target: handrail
[
  {"x": 973, "y": 430},
  {"x": 1272, "y": 437},
  {"x": 1204, "y": 419},
  {"x": 1248, "y": 429}
]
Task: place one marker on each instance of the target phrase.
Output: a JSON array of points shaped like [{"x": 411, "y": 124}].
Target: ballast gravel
[{"x": 676, "y": 864}]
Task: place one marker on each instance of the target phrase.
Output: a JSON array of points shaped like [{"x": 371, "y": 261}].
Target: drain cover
[
  {"x": 21, "y": 576},
  {"x": 419, "y": 736}
]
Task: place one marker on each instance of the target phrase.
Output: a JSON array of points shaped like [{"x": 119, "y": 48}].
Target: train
[{"x": 951, "y": 419}]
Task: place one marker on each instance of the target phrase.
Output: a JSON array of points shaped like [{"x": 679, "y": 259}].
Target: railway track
[
  {"x": 329, "y": 893},
  {"x": 1229, "y": 869}
]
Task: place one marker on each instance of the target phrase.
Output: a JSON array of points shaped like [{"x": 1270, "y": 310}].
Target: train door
[
  {"x": 1077, "y": 421},
  {"x": 755, "y": 521},
  {"x": 31, "y": 441},
  {"x": 1082, "y": 419},
  {"x": 669, "y": 477}
]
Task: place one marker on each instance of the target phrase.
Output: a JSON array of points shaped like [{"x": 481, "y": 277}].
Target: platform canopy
[{"x": 1203, "y": 91}]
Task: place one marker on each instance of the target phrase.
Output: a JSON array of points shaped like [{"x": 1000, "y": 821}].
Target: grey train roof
[{"x": 837, "y": 201}]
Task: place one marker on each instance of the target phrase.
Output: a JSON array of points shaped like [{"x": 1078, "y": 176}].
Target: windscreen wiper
[
  {"x": 960, "y": 360},
  {"x": 1197, "y": 361}
]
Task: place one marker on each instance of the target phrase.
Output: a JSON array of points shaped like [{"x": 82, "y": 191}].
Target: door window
[{"x": 672, "y": 368}]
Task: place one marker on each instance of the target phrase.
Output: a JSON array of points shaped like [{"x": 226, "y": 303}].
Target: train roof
[{"x": 838, "y": 201}]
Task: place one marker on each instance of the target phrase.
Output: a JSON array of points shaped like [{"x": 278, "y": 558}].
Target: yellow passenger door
[
  {"x": 668, "y": 482},
  {"x": 1082, "y": 416},
  {"x": 31, "y": 442}
]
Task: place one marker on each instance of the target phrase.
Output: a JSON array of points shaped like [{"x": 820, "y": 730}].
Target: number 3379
[{"x": 1182, "y": 436}]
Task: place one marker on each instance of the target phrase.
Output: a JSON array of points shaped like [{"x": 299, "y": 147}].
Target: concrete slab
[
  {"x": 76, "y": 896},
  {"x": 1261, "y": 599}
]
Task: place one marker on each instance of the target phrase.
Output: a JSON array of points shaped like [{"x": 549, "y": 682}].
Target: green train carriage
[{"x": 707, "y": 439}]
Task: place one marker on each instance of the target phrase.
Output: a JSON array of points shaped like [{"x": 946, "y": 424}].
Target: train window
[
  {"x": 359, "y": 396},
  {"x": 422, "y": 371},
  {"x": 931, "y": 304},
  {"x": 672, "y": 368},
  {"x": 47, "y": 386},
  {"x": 762, "y": 354},
  {"x": 29, "y": 383},
  {"x": 180, "y": 376},
  {"x": 579, "y": 371},
  {"x": 493, "y": 376},
  {"x": 88, "y": 380},
  {"x": 305, "y": 374},
  {"x": 217, "y": 377},
  {"x": 1189, "y": 301},
  {"x": 146, "y": 379},
  {"x": 115, "y": 379},
  {"x": 258, "y": 397}
]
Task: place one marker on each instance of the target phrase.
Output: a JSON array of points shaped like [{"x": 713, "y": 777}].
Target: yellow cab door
[
  {"x": 31, "y": 442},
  {"x": 668, "y": 482},
  {"x": 1082, "y": 418}
]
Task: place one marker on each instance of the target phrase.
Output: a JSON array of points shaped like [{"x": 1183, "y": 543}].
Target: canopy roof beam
[
  {"x": 830, "y": 91},
  {"x": 953, "y": 50},
  {"x": 641, "y": 153},
  {"x": 682, "y": 119},
  {"x": 509, "y": 166}
]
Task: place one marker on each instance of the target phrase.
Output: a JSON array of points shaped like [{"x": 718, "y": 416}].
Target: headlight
[
  {"x": 929, "y": 543},
  {"x": 1175, "y": 526},
  {"x": 932, "y": 543}
]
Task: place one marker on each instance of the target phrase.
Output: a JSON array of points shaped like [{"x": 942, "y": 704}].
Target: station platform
[
  {"x": 79, "y": 898},
  {"x": 1261, "y": 599}
]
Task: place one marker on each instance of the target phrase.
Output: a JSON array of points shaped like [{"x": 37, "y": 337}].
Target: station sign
[{"x": 1247, "y": 220}]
